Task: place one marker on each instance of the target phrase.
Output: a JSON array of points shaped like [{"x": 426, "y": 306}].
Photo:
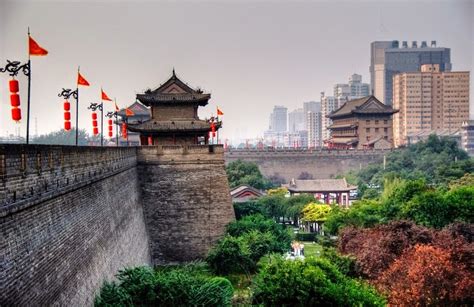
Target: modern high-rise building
[
  {"x": 296, "y": 121},
  {"x": 314, "y": 122},
  {"x": 328, "y": 105},
  {"x": 429, "y": 100},
  {"x": 352, "y": 90},
  {"x": 387, "y": 58},
  {"x": 278, "y": 119},
  {"x": 467, "y": 137}
]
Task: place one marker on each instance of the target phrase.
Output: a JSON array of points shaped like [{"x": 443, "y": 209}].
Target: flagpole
[
  {"x": 116, "y": 121},
  {"x": 101, "y": 119},
  {"x": 77, "y": 109},
  {"x": 29, "y": 93}
]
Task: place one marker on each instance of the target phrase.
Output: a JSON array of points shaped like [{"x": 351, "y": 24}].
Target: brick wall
[
  {"x": 186, "y": 199},
  {"x": 70, "y": 218},
  {"x": 321, "y": 164}
]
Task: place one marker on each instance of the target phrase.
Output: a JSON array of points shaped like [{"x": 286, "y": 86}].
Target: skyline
[{"x": 246, "y": 66}]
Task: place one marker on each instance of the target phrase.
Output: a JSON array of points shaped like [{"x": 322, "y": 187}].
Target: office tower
[
  {"x": 387, "y": 58},
  {"x": 429, "y": 100},
  {"x": 296, "y": 121},
  {"x": 278, "y": 119},
  {"x": 314, "y": 122},
  {"x": 328, "y": 105}
]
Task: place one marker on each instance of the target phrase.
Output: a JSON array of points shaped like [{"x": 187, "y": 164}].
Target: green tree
[
  {"x": 63, "y": 137},
  {"x": 363, "y": 213},
  {"x": 242, "y": 172},
  {"x": 231, "y": 255},
  {"x": 313, "y": 212}
]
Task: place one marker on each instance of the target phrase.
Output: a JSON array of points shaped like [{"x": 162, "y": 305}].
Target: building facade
[
  {"x": 388, "y": 58},
  {"x": 314, "y": 120},
  {"x": 296, "y": 120},
  {"x": 429, "y": 100},
  {"x": 361, "y": 123},
  {"x": 328, "y": 105},
  {"x": 278, "y": 119}
]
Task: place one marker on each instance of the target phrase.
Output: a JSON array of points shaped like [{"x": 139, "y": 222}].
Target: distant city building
[
  {"x": 328, "y": 105},
  {"x": 296, "y": 120},
  {"x": 278, "y": 119},
  {"x": 352, "y": 90},
  {"x": 429, "y": 100},
  {"x": 297, "y": 139},
  {"x": 467, "y": 136},
  {"x": 361, "y": 123},
  {"x": 310, "y": 106},
  {"x": 314, "y": 121},
  {"x": 387, "y": 58},
  {"x": 274, "y": 139},
  {"x": 419, "y": 136}
]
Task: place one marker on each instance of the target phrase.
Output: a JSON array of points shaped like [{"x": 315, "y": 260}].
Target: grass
[{"x": 312, "y": 249}]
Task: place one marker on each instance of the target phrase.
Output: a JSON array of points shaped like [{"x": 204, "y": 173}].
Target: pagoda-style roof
[
  {"x": 174, "y": 91},
  {"x": 367, "y": 105},
  {"x": 343, "y": 140},
  {"x": 176, "y": 125},
  {"x": 137, "y": 108},
  {"x": 319, "y": 186},
  {"x": 343, "y": 126}
]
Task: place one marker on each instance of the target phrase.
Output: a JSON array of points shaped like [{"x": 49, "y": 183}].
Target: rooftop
[
  {"x": 365, "y": 105},
  {"x": 319, "y": 185}
]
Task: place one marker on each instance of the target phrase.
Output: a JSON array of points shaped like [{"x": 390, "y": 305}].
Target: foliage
[
  {"x": 436, "y": 160},
  {"x": 306, "y": 236},
  {"x": 230, "y": 255},
  {"x": 241, "y": 172},
  {"x": 250, "y": 207},
  {"x": 426, "y": 275},
  {"x": 363, "y": 213},
  {"x": 345, "y": 264},
  {"x": 311, "y": 282},
  {"x": 261, "y": 224},
  {"x": 248, "y": 240},
  {"x": 278, "y": 191},
  {"x": 314, "y": 212},
  {"x": 466, "y": 180},
  {"x": 170, "y": 286},
  {"x": 376, "y": 248},
  {"x": 63, "y": 137}
]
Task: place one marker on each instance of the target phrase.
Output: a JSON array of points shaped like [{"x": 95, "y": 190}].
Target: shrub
[
  {"x": 310, "y": 282},
  {"x": 345, "y": 264},
  {"x": 247, "y": 208},
  {"x": 166, "y": 286},
  {"x": 231, "y": 255}
]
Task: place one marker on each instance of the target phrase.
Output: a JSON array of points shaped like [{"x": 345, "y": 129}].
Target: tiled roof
[
  {"x": 366, "y": 105},
  {"x": 137, "y": 108},
  {"x": 342, "y": 126},
  {"x": 320, "y": 185},
  {"x": 235, "y": 192},
  {"x": 147, "y": 99},
  {"x": 343, "y": 140}
]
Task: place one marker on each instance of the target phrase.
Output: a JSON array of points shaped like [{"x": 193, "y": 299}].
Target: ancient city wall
[
  {"x": 321, "y": 164},
  {"x": 186, "y": 199},
  {"x": 70, "y": 217}
]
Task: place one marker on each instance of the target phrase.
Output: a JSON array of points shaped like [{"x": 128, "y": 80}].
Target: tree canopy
[{"x": 241, "y": 172}]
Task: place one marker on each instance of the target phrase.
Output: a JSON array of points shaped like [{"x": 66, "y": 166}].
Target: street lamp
[
  {"x": 66, "y": 94},
  {"x": 114, "y": 115},
  {"x": 94, "y": 106}
]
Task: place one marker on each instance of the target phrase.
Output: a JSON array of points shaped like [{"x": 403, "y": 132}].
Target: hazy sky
[{"x": 249, "y": 55}]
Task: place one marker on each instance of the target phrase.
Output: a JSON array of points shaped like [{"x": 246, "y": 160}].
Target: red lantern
[
  {"x": 14, "y": 87},
  {"x": 94, "y": 116},
  {"x": 67, "y": 116},
  {"x": 96, "y": 131},
  {"x": 124, "y": 131},
  {"x": 111, "y": 134},
  {"x": 67, "y": 106},
  {"x": 15, "y": 100},
  {"x": 110, "y": 122},
  {"x": 67, "y": 125},
  {"x": 150, "y": 140},
  {"x": 16, "y": 114},
  {"x": 94, "y": 123}
]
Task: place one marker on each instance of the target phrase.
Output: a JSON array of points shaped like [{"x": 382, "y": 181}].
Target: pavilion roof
[
  {"x": 174, "y": 91},
  {"x": 319, "y": 185},
  {"x": 137, "y": 108},
  {"x": 366, "y": 105}
]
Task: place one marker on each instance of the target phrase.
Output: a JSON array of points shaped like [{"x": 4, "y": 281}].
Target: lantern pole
[
  {"x": 94, "y": 106},
  {"x": 110, "y": 115},
  {"x": 102, "y": 123},
  {"x": 66, "y": 93},
  {"x": 12, "y": 68}
]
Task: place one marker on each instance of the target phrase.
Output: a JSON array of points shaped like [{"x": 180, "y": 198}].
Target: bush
[
  {"x": 167, "y": 286},
  {"x": 311, "y": 282},
  {"x": 231, "y": 255},
  {"x": 306, "y": 236},
  {"x": 247, "y": 208},
  {"x": 345, "y": 264}
]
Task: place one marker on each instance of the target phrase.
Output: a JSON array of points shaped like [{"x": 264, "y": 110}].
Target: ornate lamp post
[
  {"x": 114, "y": 115},
  {"x": 12, "y": 68},
  {"x": 94, "y": 106},
  {"x": 66, "y": 94}
]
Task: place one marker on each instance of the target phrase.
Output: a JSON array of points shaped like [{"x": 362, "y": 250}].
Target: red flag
[
  {"x": 219, "y": 112},
  {"x": 129, "y": 112},
  {"x": 81, "y": 80},
  {"x": 104, "y": 96},
  {"x": 35, "y": 49}
]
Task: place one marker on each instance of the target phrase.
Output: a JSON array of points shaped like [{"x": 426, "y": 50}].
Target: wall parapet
[
  {"x": 31, "y": 174},
  {"x": 181, "y": 154}
]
